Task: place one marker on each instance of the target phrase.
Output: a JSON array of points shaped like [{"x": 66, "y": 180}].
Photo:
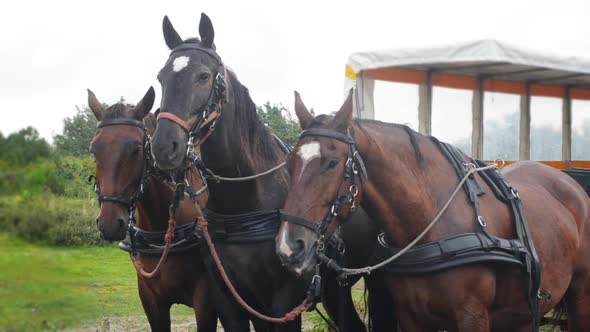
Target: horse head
[
  {"x": 119, "y": 149},
  {"x": 193, "y": 92},
  {"x": 322, "y": 189}
]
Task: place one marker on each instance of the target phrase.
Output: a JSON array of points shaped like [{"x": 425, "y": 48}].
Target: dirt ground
[{"x": 139, "y": 323}]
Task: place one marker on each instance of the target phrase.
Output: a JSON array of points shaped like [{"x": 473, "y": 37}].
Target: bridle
[
  {"x": 131, "y": 201},
  {"x": 211, "y": 111},
  {"x": 355, "y": 174}
]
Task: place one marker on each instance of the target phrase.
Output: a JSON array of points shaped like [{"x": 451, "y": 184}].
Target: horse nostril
[
  {"x": 174, "y": 146},
  {"x": 299, "y": 246},
  {"x": 121, "y": 223},
  {"x": 298, "y": 249}
]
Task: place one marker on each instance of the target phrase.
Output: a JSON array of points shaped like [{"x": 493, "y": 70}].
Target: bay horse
[
  {"x": 196, "y": 87},
  {"x": 124, "y": 172},
  {"x": 408, "y": 180}
]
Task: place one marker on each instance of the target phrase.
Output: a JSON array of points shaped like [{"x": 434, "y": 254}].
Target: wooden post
[
  {"x": 566, "y": 129},
  {"x": 524, "y": 148},
  {"x": 477, "y": 122},
  {"x": 425, "y": 106}
]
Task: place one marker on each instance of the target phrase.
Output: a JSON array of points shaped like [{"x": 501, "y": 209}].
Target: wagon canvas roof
[{"x": 463, "y": 65}]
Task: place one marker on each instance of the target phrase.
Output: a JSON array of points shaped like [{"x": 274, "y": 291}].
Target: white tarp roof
[{"x": 484, "y": 58}]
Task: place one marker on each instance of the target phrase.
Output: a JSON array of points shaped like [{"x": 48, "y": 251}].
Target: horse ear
[
  {"x": 144, "y": 106},
  {"x": 344, "y": 115},
  {"x": 305, "y": 117},
  {"x": 95, "y": 106},
  {"x": 206, "y": 31},
  {"x": 171, "y": 37}
]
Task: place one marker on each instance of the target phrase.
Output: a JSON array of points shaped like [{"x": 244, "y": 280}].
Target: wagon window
[
  {"x": 397, "y": 103},
  {"x": 501, "y": 123},
  {"x": 546, "y": 128},
  {"x": 580, "y": 130},
  {"x": 451, "y": 117}
]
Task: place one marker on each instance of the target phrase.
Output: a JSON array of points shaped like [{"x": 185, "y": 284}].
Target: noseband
[
  {"x": 212, "y": 109},
  {"x": 353, "y": 170},
  {"x": 129, "y": 202}
]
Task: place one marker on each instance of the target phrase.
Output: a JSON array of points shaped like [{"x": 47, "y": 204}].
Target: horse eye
[
  {"x": 204, "y": 77},
  {"x": 332, "y": 164},
  {"x": 136, "y": 150}
]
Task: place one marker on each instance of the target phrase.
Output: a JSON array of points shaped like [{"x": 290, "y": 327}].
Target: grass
[
  {"x": 45, "y": 287},
  {"x": 51, "y": 288}
]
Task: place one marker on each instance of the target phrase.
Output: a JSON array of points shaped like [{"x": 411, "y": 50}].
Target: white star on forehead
[
  {"x": 309, "y": 151},
  {"x": 180, "y": 63}
]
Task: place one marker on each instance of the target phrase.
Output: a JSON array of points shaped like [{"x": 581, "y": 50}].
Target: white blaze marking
[
  {"x": 179, "y": 63},
  {"x": 284, "y": 247},
  {"x": 308, "y": 152}
]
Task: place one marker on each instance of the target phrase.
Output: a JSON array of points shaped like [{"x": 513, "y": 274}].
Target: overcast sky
[{"x": 51, "y": 51}]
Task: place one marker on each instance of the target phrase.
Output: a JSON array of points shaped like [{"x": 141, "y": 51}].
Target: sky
[{"x": 52, "y": 51}]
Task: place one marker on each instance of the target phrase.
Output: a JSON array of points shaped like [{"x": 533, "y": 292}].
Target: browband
[
  {"x": 120, "y": 122},
  {"x": 193, "y": 46},
  {"x": 327, "y": 133}
]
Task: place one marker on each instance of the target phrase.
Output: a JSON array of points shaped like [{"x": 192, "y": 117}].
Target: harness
[
  {"x": 139, "y": 241},
  {"x": 457, "y": 250},
  {"x": 153, "y": 243}
]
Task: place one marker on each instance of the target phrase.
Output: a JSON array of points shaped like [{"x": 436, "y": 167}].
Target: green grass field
[
  {"x": 54, "y": 288},
  {"x": 50, "y": 288}
]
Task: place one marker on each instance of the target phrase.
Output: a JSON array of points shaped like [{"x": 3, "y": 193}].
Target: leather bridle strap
[
  {"x": 327, "y": 133},
  {"x": 301, "y": 222},
  {"x": 175, "y": 119}
]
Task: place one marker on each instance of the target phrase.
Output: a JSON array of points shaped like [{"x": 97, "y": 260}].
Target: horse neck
[
  {"x": 242, "y": 146},
  {"x": 406, "y": 189},
  {"x": 152, "y": 208}
]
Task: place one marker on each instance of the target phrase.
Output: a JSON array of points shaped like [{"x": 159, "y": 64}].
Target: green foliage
[
  {"x": 23, "y": 147},
  {"x": 73, "y": 174},
  {"x": 65, "y": 176},
  {"x": 50, "y": 219},
  {"x": 31, "y": 179},
  {"x": 77, "y": 133},
  {"x": 279, "y": 119}
]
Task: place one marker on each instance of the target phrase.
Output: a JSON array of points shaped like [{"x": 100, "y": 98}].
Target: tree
[
  {"x": 278, "y": 118},
  {"x": 23, "y": 147},
  {"x": 77, "y": 133}
]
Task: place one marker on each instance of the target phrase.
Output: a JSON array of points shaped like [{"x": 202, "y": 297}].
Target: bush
[
  {"x": 73, "y": 174},
  {"x": 63, "y": 176},
  {"x": 32, "y": 179},
  {"x": 50, "y": 219}
]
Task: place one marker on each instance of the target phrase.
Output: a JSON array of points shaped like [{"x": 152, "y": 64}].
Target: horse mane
[{"x": 251, "y": 129}]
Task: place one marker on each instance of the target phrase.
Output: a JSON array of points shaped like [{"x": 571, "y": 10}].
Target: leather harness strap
[{"x": 175, "y": 119}]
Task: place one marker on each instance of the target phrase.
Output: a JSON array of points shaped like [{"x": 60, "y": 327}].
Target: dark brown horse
[
  {"x": 119, "y": 150},
  {"x": 409, "y": 180},
  {"x": 194, "y": 84}
]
